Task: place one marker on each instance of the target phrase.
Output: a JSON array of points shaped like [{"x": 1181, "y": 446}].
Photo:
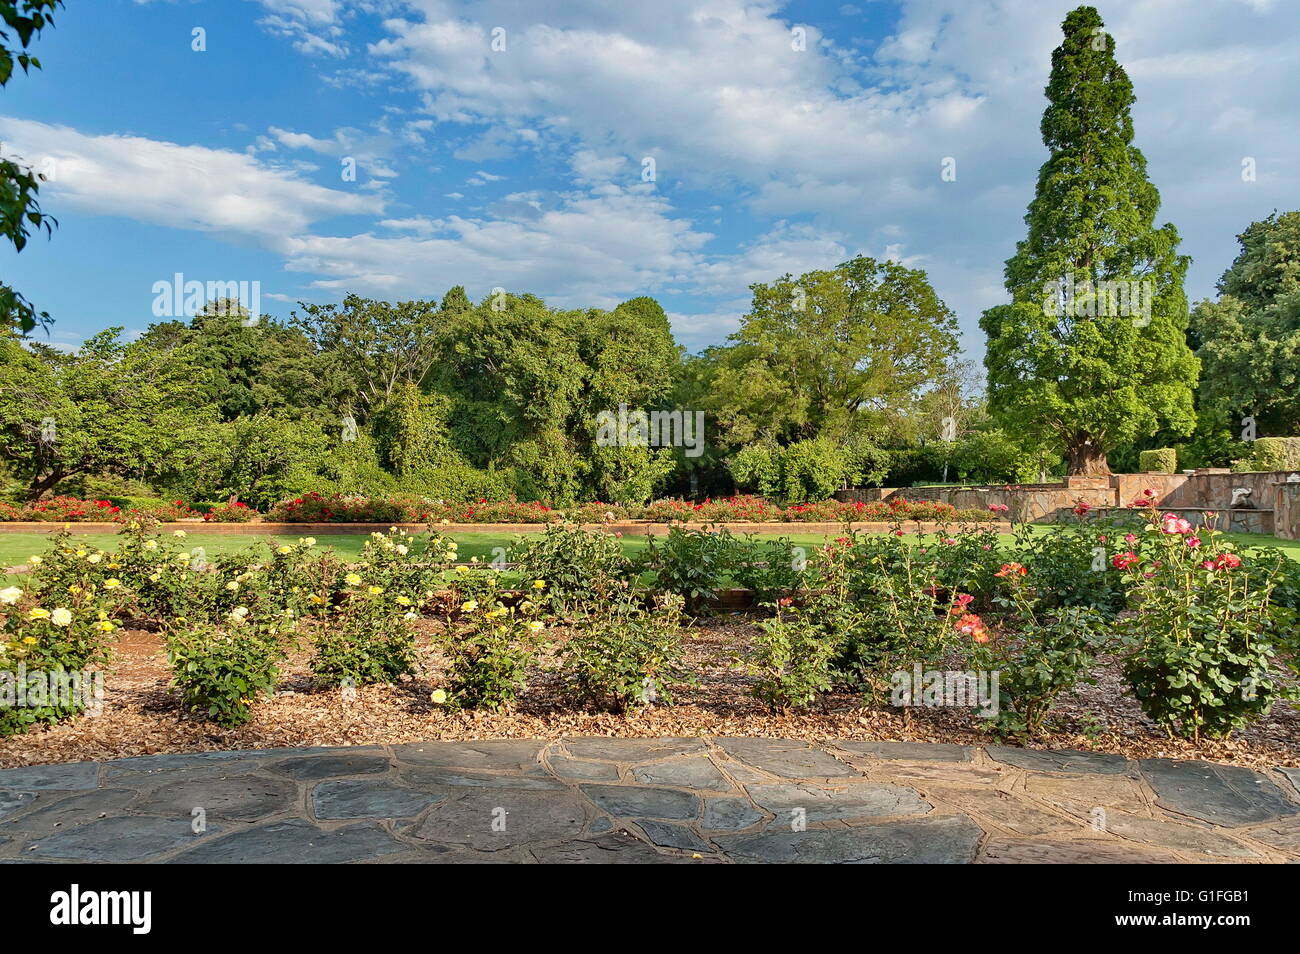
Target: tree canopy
[{"x": 1091, "y": 352}]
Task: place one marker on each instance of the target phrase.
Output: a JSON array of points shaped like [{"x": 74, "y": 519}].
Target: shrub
[
  {"x": 461, "y": 482},
  {"x": 579, "y": 567},
  {"x": 689, "y": 562},
  {"x": 792, "y": 656},
  {"x": 367, "y": 638},
  {"x": 756, "y": 468},
  {"x": 405, "y": 564},
  {"x": 70, "y": 509},
  {"x": 990, "y": 455},
  {"x": 1203, "y": 631},
  {"x": 297, "y": 578},
  {"x": 623, "y": 656},
  {"x": 46, "y": 655},
  {"x": 489, "y": 656},
  {"x": 1270, "y": 453},
  {"x": 736, "y": 508},
  {"x": 813, "y": 470},
  {"x": 1038, "y": 658},
  {"x": 221, "y": 669},
  {"x": 1071, "y": 563},
  {"x": 235, "y": 512},
  {"x": 901, "y": 613},
  {"x": 1163, "y": 460},
  {"x": 341, "y": 508},
  {"x": 965, "y": 560}
]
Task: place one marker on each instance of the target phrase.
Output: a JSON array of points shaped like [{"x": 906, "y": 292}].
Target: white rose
[
  {"x": 61, "y": 617},
  {"x": 10, "y": 595}
]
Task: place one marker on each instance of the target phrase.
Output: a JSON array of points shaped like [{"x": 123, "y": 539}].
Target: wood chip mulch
[{"x": 142, "y": 715}]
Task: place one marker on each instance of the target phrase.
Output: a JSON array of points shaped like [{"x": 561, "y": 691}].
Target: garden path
[{"x": 627, "y": 801}]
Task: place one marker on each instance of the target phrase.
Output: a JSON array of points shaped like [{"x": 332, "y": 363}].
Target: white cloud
[
  {"x": 188, "y": 187},
  {"x": 583, "y": 251},
  {"x": 312, "y": 25},
  {"x": 851, "y": 140}
]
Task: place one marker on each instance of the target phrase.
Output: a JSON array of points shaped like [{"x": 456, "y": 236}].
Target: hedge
[
  {"x": 1270, "y": 453},
  {"x": 1162, "y": 460}
]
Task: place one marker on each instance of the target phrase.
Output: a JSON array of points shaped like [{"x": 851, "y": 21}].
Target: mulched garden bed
[{"x": 142, "y": 716}]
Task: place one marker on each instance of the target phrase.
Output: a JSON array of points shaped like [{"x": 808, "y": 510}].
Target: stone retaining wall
[
  {"x": 1286, "y": 511},
  {"x": 1209, "y": 489},
  {"x": 1235, "y": 521}
]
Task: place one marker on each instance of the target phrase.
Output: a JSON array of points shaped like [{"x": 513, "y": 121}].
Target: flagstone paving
[{"x": 635, "y": 801}]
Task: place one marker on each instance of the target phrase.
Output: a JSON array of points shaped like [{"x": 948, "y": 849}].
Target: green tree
[
  {"x": 254, "y": 367},
  {"x": 110, "y": 408},
  {"x": 830, "y": 353},
  {"x": 20, "y": 210},
  {"x": 1092, "y": 351},
  {"x": 381, "y": 344},
  {"x": 259, "y": 459},
  {"x": 527, "y": 383},
  {"x": 411, "y": 431},
  {"x": 1249, "y": 340}
]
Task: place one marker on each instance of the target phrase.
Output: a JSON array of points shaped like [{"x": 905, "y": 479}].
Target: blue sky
[{"x": 522, "y": 167}]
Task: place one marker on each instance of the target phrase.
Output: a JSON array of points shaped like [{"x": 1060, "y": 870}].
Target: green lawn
[{"x": 15, "y": 548}]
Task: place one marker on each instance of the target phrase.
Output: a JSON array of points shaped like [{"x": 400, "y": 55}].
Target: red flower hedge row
[
  {"x": 73, "y": 509},
  {"x": 339, "y": 508},
  {"x": 317, "y": 508}
]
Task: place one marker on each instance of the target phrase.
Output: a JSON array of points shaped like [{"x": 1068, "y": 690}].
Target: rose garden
[{"x": 360, "y": 585}]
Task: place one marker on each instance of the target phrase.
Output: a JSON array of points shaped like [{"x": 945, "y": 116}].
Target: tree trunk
[
  {"x": 40, "y": 486},
  {"x": 1087, "y": 458}
]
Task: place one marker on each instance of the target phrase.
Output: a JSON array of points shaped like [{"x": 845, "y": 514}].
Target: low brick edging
[{"x": 646, "y": 528}]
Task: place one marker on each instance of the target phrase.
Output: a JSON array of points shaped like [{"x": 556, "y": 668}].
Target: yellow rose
[
  {"x": 39, "y": 613},
  {"x": 469, "y": 606},
  {"x": 462, "y": 568},
  {"x": 438, "y": 697},
  {"x": 112, "y": 583},
  {"x": 178, "y": 533},
  {"x": 284, "y": 550},
  {"x": 375, "y": 590},
  {"x": 403, "y": 601},
  {"x": 33, "y": 560},
  {"x": 29, "y": 640},
  {"x": 539, "y": 584}
]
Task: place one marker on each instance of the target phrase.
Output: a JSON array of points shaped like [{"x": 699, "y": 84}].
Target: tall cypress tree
[{"x": 1091, "y": 354}]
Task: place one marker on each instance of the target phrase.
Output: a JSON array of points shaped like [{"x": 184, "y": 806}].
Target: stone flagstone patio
[{"x": 628, "y": 801}]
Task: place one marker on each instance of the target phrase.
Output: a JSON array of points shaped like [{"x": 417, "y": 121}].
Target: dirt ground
[{"x": 142, "y": 715}]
